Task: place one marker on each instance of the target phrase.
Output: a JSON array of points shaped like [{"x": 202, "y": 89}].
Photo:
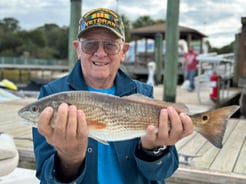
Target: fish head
[{"x": 31, "y": 112}]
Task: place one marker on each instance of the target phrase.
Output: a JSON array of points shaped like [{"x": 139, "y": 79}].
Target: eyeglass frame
[{"x": 119, "y": 43}]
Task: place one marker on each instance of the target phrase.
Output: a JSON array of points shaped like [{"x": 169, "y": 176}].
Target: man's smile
[{"x": 100, "y": 63}]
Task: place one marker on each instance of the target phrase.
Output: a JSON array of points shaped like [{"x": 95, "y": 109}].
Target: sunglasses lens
[
  {"x": 111, "y": 47},
  {"x": 91, "y": 46}
]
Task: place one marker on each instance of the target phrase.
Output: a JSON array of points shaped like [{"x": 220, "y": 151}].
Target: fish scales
[
  {"x": 112, "y": 118},
  {"x": 122, "y": 118},
  {"x": 112, "y": 110}
]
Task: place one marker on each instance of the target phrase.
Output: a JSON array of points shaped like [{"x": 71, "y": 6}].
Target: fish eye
[
  {"x": 205, "y": 118},
  {"x": 34, "y": 108}
]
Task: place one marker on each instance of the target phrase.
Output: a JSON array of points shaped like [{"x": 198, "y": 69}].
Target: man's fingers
[
  {"x": 187, "y": 124},
  {"x": 61, "y": 121},
  {"x": 176, "y": 125},
  {"x": 44, "y": 122},
  {"x": 164, "y": 125},
  {"x": 149, "y": 139},
  {"x": 82, "y": 129},
  {"x": 71, "y": 129}
]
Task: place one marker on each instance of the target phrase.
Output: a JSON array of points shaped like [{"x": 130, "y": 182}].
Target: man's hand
[
  {"x": 172, "y": 128},
  {"x": 69, "y": 136}
]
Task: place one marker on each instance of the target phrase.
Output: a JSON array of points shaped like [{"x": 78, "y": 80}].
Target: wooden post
[
  {"x": 242, "y": 66},
  {"x": 236, "y": 60},
  {"x": 158, "y": 57},
  {"x": 242, "y": 49},
  {"x": 75, "y": 15},
  {"x": 136, "y": 54},
  {"x": 171, "y": 55}
]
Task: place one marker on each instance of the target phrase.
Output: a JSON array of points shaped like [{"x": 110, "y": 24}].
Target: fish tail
[{"x": 212, "y": 124}]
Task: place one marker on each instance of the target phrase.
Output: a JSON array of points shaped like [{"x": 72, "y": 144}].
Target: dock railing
[
  {"x": 32, "y": 63},
  {"x": 221, "y": 65}
]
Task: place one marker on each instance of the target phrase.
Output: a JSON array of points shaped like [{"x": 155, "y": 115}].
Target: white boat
[
  {"x": 9, "y": 159},
  {"x": 20, "y": 176}
]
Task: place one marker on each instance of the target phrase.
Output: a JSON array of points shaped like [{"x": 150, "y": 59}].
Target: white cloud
[{"x": 220, "y": 19}]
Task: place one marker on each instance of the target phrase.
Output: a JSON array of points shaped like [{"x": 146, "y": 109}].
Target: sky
[{"x": 220, "y": 20}]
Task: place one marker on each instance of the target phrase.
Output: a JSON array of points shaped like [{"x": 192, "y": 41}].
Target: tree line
[{"x": 50, "y": 41}]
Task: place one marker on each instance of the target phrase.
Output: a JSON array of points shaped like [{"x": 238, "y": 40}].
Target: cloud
[
  {"x": 220, "y": 19},
  {"x": 35, "y": 13},
  {"x": 217, "y": 19}
]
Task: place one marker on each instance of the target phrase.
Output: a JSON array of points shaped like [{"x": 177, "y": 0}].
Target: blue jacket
[{"x": 134, "y": 169}]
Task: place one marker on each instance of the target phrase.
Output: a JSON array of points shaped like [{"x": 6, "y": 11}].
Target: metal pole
[
  {"x": 171, "y": 55},
  {"x": 75, "y": 15}
]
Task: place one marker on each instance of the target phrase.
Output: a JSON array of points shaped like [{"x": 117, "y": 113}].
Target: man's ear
[
  {"x": 124, "y": 51},
  {"x": 76, "y": 47},
  {"x": 75, "y": 44}
]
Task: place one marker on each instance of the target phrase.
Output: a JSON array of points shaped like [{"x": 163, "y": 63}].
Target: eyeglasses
[{"x": 110, "y": 47}]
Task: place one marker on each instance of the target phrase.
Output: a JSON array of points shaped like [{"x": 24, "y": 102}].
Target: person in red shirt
[{"x": 191, "y": 67}]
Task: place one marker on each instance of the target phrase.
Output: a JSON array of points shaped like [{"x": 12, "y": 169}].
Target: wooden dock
[
  {"x": 209, "y": 165},
  {"x": 22, "y": 134},
  {"x": 212, "y": 165}
]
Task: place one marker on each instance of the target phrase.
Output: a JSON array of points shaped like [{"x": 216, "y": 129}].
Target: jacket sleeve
[
  {"x": 45, "y": 155},
  {"x": 161, "y": 168}
]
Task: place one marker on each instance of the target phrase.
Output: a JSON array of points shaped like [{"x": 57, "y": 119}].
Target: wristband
[{"x": 158, "y": 151}]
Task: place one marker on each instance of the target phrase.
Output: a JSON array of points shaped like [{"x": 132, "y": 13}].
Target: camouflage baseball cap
[{"x": 102, "y": 17}]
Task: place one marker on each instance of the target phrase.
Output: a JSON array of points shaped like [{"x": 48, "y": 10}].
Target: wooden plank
[
  {"x": 240, "y": 166},
  {"x": 228, "y": 155},
  {"x": 241, "y": 163},
  {"x": 10, "y": 123},
  {"x": 181, "y": 143},
  {"x": 26, "y": 153},
  {"x": 194, "y": 145},
  {"x": 209, "y": 152},
  {"x": 193, "y": 176},
  {"x": 27, "y": 159}
]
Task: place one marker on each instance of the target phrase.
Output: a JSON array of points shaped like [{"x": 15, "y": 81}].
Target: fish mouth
[
  {"x": 28, "y": 122},
  {"x": 28, "y": 116}
]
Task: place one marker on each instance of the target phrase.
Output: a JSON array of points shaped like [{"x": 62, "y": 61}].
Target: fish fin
[
  {"x": 99, "y": 140},
  {"x": 96, "y": 124},
  {"x": 212, "y": 124},
  {"x": 180, "y": 107}
]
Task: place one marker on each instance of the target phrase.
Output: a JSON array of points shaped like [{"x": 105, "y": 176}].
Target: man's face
[
  {"x": 101, "y": 53},
  {"x": 191, "y": 49}
]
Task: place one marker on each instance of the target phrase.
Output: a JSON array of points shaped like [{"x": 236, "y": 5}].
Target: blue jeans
[{"x": 191, "y": 77}]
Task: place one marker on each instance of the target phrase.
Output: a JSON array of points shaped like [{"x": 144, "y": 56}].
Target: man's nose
[{"x": 100, "y": 51}]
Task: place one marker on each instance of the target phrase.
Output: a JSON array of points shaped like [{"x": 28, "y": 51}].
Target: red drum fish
[{"x": 112, "y": 118}]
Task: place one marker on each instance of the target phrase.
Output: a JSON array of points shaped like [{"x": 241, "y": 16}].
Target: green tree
[
  {"x": 57, "y": 39},
  {"x": 127, "y": 25},
  {"x": 31, "y": 41},
  {"x": 225, "y": 49},
  {"x": 9, "y": 44},
  {"x": 159, "y": 21},
  {"x": 9, "y": 24},
  {"x": 143, "y": 21}
]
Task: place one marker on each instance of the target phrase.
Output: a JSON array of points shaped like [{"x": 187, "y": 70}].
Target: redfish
[{"x": 112, "y": 118}]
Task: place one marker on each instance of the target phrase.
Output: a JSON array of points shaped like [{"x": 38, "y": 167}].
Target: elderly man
[{"x": 65, "y": 153}]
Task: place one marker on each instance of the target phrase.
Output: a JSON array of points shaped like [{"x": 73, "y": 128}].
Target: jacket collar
[{"x": 124, "y": 85}]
